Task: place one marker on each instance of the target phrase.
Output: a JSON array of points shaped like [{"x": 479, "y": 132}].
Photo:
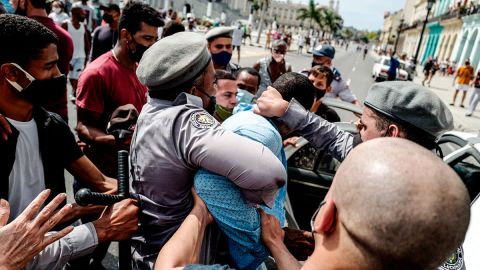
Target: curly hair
[{"x": 23, "y": 39}]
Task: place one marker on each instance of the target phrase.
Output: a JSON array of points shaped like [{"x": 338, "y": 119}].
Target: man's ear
[
  {"x": 125, "y": 35},
  {"x": 394, "y": 131},
  {"x": 328, "y": 89},
  {"x": 325, "y": 221},
  {"x": 9, "y": 72}
]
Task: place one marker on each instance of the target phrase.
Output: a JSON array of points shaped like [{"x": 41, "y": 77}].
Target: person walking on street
[
  {"x": 394, "y": 68},
  {"x": 435, "y": 67},
  {"x": 475, "y": 96},
  {"x": 427, "y": 68},
  {"x": 464, "y": 75},
  {"x": 237, "y": 40},
  {"x": 268, "y": 39},
  {"x": 81, "y": 45}
]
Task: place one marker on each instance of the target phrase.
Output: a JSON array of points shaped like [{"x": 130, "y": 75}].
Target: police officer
[
  {"x": 392, "y": 109},
  {"x": 323, "y": 55},
  {"x": 220, "y": 47},
  {"x": 175, "y": 136}
]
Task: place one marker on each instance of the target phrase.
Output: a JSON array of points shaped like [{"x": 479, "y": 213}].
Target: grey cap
[
  {"x": 411, "y": 105},
  {"x": 219, "y": 31},
  {"x": 173, "y": 60}
]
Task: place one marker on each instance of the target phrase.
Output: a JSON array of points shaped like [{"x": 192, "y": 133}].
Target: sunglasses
[
  {"x": 221, "y": 46},
  {"x": 359, "y": 125}
]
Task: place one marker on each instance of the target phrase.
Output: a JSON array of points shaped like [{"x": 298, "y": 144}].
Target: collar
[{"x": 182, "y": 99}]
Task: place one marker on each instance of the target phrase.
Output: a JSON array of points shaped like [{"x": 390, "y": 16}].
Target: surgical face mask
[
  {"x": 41, "y": 92},
  {"x": 57, "y": 10},
  {"x": 222, "y": 58},
  {"x": 243, "y": 96},
  {"x": 222, "y": 112},
  {"x": 357, "y": 139},
  {"x": 278, "y": 57},
  {"x": 137, "y": 53}
]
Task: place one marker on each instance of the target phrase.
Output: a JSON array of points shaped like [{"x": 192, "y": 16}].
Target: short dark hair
[
  {"x": 295, "y": 85},
  {"x": 171, "y": 28},
  {"x": 112, "y": 7},
  {"x": 250, "y": 71},
  {"x": 135, "y": 13},
  {"x": 224, "y": 75},
  {"x": 413, "y": 134},
  {"x": 322, "y": 70},
  {"x": 226, "y": 35},
  {"x": 22, "y": 39}
]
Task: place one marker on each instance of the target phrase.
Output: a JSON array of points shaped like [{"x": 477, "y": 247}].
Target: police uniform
[
  {"x": 173, "y": 139},
  {"x": 219, "y": 32},
  {"x": 406, "y": 103},
  {"x": 339, "y": 87}
]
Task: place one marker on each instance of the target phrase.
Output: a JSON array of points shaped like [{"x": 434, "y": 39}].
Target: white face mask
[{"x": 57, "y": 10}]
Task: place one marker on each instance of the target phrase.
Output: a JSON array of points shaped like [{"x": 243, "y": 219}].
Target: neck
[
  {"x": 219, "y": 67},
  {"x": 14, "y": 107},
  {"x": 122, "y": 56},
  {"x": 38, "y": 12}
]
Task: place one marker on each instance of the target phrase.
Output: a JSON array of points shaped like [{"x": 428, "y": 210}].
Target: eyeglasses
[
  {"x": 221, "y": 46},
  {"x": 312, "y": 221}
]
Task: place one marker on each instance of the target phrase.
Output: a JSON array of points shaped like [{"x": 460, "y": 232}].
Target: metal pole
[{"x": 415, "y": 60}]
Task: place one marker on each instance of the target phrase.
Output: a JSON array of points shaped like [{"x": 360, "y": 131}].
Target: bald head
[{"x": 403, "y": 207}]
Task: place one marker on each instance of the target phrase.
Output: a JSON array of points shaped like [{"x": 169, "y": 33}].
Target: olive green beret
[
  {"x": 411, "y": 105},
  {"x": 173, "y": 60},
  {"x": 219, "y": 31}
]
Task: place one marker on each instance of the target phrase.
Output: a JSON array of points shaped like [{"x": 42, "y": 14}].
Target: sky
[{"x": 364, "y": 14}]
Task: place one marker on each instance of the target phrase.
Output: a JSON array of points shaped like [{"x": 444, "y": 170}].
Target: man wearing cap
[
  {"x": 175, "y": 136},
  {"x": 392, "y": 109},
  {"x": 323, "y": 55},
  {"x": 220, "y": 47}
]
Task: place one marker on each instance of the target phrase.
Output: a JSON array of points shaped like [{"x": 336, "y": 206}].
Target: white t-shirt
[
  {"x": 27, "y": 178},
  {"x": 59, "y": 18},
  {"x": 237, "y": 37}
]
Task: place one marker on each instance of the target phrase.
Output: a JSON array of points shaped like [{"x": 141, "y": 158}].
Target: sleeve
[
  {"x": 80, "y": 242},
  {"x": 202, "y": 143},
  {"x": 318, "y": 131},
  {"x": 62, "y": 143},
  {"x": 345, "y": 93},
  {"x": 90, "y": 91},
  {"x": 207, "y": 267}
]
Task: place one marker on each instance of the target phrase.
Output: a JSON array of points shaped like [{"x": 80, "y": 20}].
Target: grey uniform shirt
[
  {"x": 171, "y": 142},
  {"x": 318, "y": 131},
  {"x": 340, "y": 89},
  {"x": 80, "y": 242}
]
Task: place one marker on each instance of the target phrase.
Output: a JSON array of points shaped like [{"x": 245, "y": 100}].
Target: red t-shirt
[
  {"x": 106, "y": 85},
  {"x": 65, "y": 53}
]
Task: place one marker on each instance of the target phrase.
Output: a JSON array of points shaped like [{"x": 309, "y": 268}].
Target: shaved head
[{"x": 400, "y": 205}]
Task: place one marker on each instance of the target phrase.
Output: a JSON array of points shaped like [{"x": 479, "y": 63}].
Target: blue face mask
[
  {"x": 222, "y": 58},
  {"x": 243, "y": 96}
]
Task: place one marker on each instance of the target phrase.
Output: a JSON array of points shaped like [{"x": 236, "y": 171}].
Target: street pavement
[{"x": 355, "y": 70}]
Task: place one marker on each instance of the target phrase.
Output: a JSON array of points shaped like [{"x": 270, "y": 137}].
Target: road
[{"x": 350, "y": 63}]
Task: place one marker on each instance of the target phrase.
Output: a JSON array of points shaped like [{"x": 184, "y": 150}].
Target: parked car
[
  {"x": 381, "y": 67},
  {"x": 409, "y": 67}
]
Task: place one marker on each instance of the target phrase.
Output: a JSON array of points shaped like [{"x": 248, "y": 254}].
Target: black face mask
[
  {"x": 211, "y": 105},
  {"x": 108, "y": 18},
  {"x": 41, "y": 92},
  {"x": 319, "y": 94},
  {"x": 357, "y": 139},
  {"x": 137, "y": 53}
]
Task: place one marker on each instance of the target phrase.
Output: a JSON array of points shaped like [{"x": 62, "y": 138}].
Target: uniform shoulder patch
[
  {"x": 455, "y": 261},
  {"x": 202, "y": 120}
]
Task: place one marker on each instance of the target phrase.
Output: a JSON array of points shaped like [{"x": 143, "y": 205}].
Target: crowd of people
[{"x": 206, "y": 150}]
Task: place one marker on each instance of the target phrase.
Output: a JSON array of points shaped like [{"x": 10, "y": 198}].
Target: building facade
[{"x": 390, "y": 29}]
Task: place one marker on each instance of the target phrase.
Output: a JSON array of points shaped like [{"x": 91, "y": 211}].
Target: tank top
[{"x": 78, "y": 38}]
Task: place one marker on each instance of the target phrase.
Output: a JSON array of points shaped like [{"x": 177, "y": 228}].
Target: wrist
[
  {"x": 283, "y": 108},
  {"x": 100, "y": 230}
]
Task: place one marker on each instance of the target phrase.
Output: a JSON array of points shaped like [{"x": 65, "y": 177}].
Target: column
[{"x": 475, "y": 55}]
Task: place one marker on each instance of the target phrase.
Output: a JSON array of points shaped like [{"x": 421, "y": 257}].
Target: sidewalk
[{"x": 443, "y": 87}]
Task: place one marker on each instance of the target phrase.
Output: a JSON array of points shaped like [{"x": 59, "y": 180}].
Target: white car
[{"x": 381, "y": 67}]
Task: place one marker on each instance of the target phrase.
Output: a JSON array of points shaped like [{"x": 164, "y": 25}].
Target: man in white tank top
[{"x": 81, "y": 44}]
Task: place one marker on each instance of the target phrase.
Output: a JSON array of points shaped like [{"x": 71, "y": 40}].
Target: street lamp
[
  {"x": 429, "y": 8},
  {"x": 398, "y": 34}
]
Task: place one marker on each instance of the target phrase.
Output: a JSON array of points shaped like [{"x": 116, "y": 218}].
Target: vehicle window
[
  {"x": 325, "y": 163},
  {"x": 304, "y": 158}
]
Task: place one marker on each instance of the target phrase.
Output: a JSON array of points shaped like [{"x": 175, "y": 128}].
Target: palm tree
[
  {"x": 331, "y": 21},
  {"x": 312, "y": 12}
]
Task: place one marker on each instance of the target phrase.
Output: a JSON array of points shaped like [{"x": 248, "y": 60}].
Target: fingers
[
  {"x": 4, "y": 212},
  {"x": 5, "y": 129},
  {"x": 49, "y": 210},
  {"x": 57, "y": 217},
  {"x": 56, "y": 236},
  {"x": 32, "y": 209}
]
